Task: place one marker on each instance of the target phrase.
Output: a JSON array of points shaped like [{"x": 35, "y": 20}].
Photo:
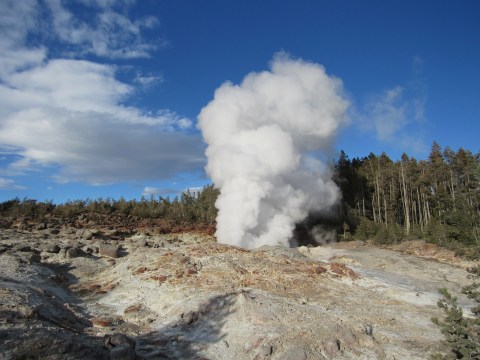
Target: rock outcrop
[{"x": 106, "y": 294}]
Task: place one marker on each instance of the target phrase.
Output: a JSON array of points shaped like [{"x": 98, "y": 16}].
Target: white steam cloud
[{"x": 261, "y": 135}]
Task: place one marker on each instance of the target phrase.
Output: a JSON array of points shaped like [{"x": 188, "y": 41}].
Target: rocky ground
[{"x": 70, "y": 292}]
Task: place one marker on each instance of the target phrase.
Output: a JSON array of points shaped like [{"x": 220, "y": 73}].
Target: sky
[{"x": 100, "y": 98}]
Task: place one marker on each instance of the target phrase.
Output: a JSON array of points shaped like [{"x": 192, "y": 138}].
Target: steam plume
[{"x": 261, "y": 135}]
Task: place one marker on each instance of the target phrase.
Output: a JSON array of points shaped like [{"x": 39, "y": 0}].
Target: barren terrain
[{"x": 70, "y": 293}]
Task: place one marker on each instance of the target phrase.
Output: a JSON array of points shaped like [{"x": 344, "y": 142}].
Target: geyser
[{"x": 263, "y": 138}]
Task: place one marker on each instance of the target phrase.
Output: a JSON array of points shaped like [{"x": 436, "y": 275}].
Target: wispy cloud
[
  {"x": 109, "y": 33},
  {"x": 17, "y": 20},
  {"x": 155, "y": 191},
  {"x": 147, "y": 81},
  {"x": 9, "y": 184},
  {"x": 392, "y": 114},
  {"x": 71, "y": 114},
  {"x": 386, "y": 113}
]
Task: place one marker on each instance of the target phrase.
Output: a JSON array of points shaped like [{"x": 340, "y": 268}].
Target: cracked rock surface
[{"x": 64, "y": 295}]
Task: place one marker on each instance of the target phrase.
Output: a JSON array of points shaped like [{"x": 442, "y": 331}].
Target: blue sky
[{"x": 100, "y": 98}]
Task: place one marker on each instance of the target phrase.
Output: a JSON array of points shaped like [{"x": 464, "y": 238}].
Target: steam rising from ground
[{"x": 261, "y": 135}]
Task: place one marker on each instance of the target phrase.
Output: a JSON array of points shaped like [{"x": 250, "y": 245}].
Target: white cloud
[
  {"x": 73, "y": 84},
  {"x": 70, "y": 114},
  {"x": 97, "y": 148},
  {"x": 78, "y": 85},
  {"x": 9, "y": 184}
]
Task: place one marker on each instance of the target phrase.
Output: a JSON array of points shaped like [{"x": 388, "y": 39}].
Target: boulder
[
  {"x": 90, "y": 249},
  {"x": 73, "y": 253},
  {"x": 88, "y": 235},
  {"x": 121, "y": 347},
  {"x": 108, "y": 250},
  {"x": 67, "y": 231},
  {"x": 112, "y": 233},
  {"x": 62, "y": 253},
  {"x": 119, "y": 339},
  {"x": 122, "y": 352},
  {"x": 22, "y": 248},
  {"x": 368, "y": 329},
  {"x": 52, "y": 248},
  {"x": 30, "y": 257},
  {"x": 142, "y": 242},
  {"x": 51, "y": 231}
]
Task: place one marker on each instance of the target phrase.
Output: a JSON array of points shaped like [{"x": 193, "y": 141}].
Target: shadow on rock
[
  {"x": 39, "y": 317},
  {"x": 192, "y": 334}
]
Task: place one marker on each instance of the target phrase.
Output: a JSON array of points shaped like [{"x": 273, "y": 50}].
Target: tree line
[
  {"x": 186, "y": 209},
  {"x": 437, "y": 199}
]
